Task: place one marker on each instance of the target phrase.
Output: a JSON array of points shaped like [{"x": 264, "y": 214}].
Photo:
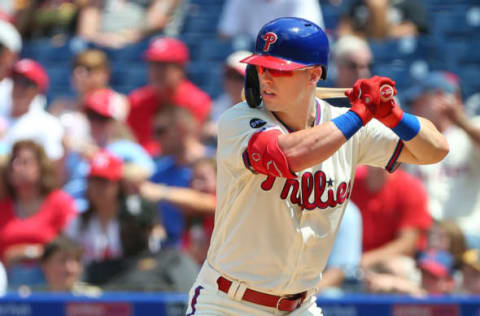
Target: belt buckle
[{"x": 286, "y": 297}]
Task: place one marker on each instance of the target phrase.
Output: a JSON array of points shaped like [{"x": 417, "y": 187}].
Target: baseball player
[{"x": 286, "y": 161}]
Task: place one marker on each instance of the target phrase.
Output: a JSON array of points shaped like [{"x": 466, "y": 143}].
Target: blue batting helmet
[{"x": 290, "y": 43}]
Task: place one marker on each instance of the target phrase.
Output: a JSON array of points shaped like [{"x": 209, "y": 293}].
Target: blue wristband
[
  {"x": 348, "y": 123},
  {"x": 408, "y": 127}
]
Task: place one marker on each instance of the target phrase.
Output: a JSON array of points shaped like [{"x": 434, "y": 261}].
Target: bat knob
[{"x": 386, "y": 92}]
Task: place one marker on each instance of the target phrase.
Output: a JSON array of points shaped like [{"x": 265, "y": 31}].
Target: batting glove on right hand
[
  {"x": 389, "y": 113},
  {"x": 366, "y": 98},
  {"x": 356, "y": 97}
]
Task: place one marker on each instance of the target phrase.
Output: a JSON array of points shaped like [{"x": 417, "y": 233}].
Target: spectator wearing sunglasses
[
  {"x": 177, "y": 132},
  {"x": 353, "y": 58},
  {"x": 26, "y": 121}
]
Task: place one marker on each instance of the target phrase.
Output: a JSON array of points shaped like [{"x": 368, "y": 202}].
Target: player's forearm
[
  {"x": 404, "y": 244},
  {"x": 89, "y": 20},
  {"x": 427, "y": 147},
  {"x": 158, "y": 14},
  {"x": 332, "y": 277},
  {"x": 309, "y": 147},
  {"x": 185, "y": 198},
  {"x": 192, "y": 200}
]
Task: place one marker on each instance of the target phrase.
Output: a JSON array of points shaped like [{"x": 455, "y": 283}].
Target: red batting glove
[
  {"x": 358, "y": 106},
  {"x": 389, "y": 113}
]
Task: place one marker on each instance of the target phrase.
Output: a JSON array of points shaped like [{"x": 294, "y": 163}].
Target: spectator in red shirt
[
  {"x": 33, "y": 212},
  {"x": 394, "y": 214},
  {"x": 168, "y": 84}
]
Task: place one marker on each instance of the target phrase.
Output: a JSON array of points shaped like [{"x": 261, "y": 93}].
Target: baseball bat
[
  {"x": 329, "y": 93},
  {"x": 386, "y": 93},
  {"x": 322, "y": 93}
]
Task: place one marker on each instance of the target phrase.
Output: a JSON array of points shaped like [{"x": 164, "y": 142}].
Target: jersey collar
[{"x": 318, "y": 114}]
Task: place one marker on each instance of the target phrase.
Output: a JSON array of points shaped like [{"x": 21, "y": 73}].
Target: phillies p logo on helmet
[{"x": 269, "y": 38}]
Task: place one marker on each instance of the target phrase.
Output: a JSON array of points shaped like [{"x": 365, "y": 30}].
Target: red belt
[{"x": 282, "y": 303}]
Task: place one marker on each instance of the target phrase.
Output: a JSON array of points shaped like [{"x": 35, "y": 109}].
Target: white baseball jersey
[
  {"x": 453, "y": 184},
  {"x": 275, "y": 234}
]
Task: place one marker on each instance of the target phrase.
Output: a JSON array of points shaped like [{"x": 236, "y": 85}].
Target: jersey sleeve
[
  {"x": 378, "y": 146},
  {"x": 235, "y": 129}
]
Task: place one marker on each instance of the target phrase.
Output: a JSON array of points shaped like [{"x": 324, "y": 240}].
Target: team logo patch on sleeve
[{"x": 257, "y": 123}]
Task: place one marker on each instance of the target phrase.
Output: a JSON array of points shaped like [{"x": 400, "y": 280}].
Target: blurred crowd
[{"x": 106, "y": 191}]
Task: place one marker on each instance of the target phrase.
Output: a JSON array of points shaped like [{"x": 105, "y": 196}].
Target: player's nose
[{"x": 265, "y": 76}]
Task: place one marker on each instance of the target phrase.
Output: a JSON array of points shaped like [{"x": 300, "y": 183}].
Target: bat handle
[{"x": 386, "y": 92}]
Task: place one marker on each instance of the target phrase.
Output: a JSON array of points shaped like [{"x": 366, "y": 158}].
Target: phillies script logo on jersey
[
  {"x": 269, "y": 39},
  {"x": 308, "y": 192}
]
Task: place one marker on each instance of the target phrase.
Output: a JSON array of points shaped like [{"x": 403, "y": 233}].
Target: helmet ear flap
[
  {"x": 324, "y": 73},
  {"x": 252, "y": 87}
]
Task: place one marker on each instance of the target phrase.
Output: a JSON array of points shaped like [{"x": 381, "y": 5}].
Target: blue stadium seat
[
  {"x": 207, "y": 2},
  {"x": 44, "y": 51},
  {"x": 206, "y": 75},
  {"x": 472, "y": 52},
  {"x": 59, "y": 75},
  {"x": 194, "y": 41},
  {"x": 214, "y": 83},
  {"x": 204, "y": 25},
  {"x": 129, "y": 75},
  {"x": 133, "y": 52},
  {"x": 456, "y": 20},
  {"x": 398, "y": 71},
  {"x": 215, "y": 50},
  {"x": 208, "y": 10},
  {"x": 331, "y": 15},
  {"x": 406, "y": 49},
  {"x": 60, "y": 83},
  {"x": 469, "y": 74},
  {"x": 198, "y": 72}
]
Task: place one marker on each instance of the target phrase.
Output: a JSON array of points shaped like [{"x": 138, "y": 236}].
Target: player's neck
[{"x": 300, "y": 116}]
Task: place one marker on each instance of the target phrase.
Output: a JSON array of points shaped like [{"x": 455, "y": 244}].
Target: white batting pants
[{"x": 206, "y": 299}]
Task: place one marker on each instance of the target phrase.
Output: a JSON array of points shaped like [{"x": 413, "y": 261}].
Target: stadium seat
[
  {"x": 215, "y": 50},
  {"x": 331, "y": 16},
  {"x": 132, "y": 76},
  {"x": 469, "y": 78},
  {"x": 44, "y": 51},
  {"x": 194, "y": 41},
  {"x": 406, "y": 49},
  {"x": 207, "y": 75},
  {"x": 133, "y": 52},
  {"x": 397, "y": 71},
  {"x": 204, "y": 25}
]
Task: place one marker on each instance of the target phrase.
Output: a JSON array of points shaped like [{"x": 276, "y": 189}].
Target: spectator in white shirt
[
  {"x": 25, "y": 121},
  {"x": 246, "y": 17},
  {"x": 10, "y": 46}
]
